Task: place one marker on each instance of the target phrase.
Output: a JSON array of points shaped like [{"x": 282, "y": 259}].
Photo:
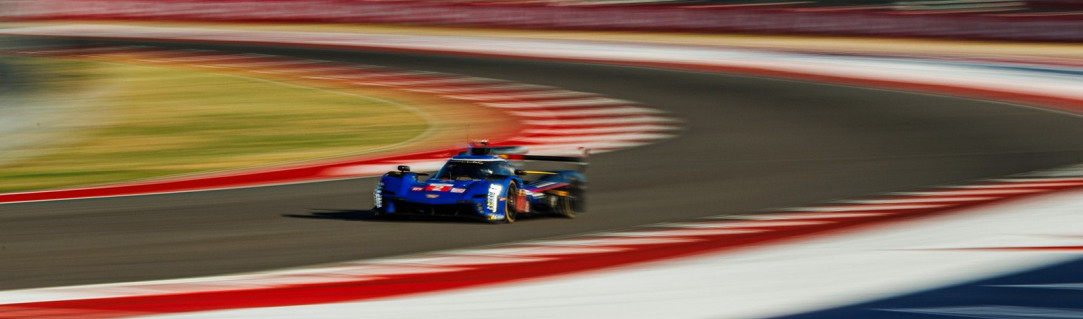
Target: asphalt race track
[{"x": 751, "y": 144}]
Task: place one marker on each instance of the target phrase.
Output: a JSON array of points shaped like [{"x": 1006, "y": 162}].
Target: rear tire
[
  {"x": 564, "y": 207},
  {"x": 577, "y": 197},
  {"x": 573, "y": 203}
]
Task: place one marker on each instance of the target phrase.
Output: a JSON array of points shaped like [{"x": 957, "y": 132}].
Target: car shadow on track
[
  {"x": 339, "y": 214},
  {"x": 370, "y": 216}
]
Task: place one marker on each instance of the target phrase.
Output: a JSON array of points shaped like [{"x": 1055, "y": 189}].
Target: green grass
[{"x": 156, "y": 122}]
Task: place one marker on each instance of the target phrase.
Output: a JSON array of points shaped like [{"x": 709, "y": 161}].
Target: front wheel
[{"x": 511, "y": 197}]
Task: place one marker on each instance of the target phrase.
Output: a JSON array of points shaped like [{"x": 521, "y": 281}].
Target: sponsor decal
[
  {"x": 469, "y": 162},
  {"x": 522, "y": 202},
  {"x": 439, "y": 187},
  {"x": 431, "y": 196},
  {"x": 458, "y": 190},
  {"x": 543, "y": 184},
  {"x": 417, "y": 189}
]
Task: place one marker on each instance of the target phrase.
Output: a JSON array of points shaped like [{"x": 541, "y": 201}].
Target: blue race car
[{"x": 484, "y": 183}]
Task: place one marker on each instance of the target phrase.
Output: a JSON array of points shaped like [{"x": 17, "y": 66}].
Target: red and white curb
[
  {"x": 599, "y": 258},
  {"x": 548, "y": 120}
]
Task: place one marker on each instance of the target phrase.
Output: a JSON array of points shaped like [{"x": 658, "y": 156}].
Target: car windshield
[{"x": 470, "y": 170}]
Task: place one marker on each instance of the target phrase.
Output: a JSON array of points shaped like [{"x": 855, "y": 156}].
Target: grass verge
[{"x": 147, "y": 122}]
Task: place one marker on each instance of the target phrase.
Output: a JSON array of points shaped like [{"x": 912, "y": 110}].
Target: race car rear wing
[
  {"x": 518, "y": 153},
  {"x": 523, "y": 157},
  {"x": 580, "y": 161}
]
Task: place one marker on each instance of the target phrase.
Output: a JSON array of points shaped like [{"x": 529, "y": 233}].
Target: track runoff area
[{"x": 977, "y": 250}]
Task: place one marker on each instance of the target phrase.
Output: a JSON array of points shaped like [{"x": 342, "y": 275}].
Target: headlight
[
  {"x": 494, "y": 196},
  {"x": 377, "y": 198}
]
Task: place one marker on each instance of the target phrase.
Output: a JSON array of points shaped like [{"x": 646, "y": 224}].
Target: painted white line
[
  {"x": 614, "y": 241},
  {"x": 593, "y": 101},
  {"x": 363, "y": 75},
  {"x": 387, "y": 76},
  {"x": 1041, "y": 179},
  {"x": 314, "y": 77},
  {"x": 525, "y": 95},
  {"x": 152, "y": 53},
  {"x": 158, "y": 53},
  {"x": 444, "y": 81},
  {"x": 263, "y": 64},
  {"x": 1020, "y": 185},
  {"x": 479, "y": 88},
  {"x": 536, "y": 251},
  {"x": 605, "y": 121},
  {"x": 84, "y": 51},
  {"x": 590, "y": 138},
  {"x": 457, "y": 260},
  {"x": 792, "y": 216},
  {"x": 918, "y": 200},
  {"x": 197, "y": 58},
  {"x": 325, "y": 69},
  {"x": 165, "y": 53},
  {"x": 609, "y": 111},
  {"x": 568, "y": 150},
  {"x": 144, "y": 60},
  {"x": 747, "y": 224},
  {"x": 863, "y": 208},
  {"x": 364, "y": 269},
  {"x": 603, "y": 130},
  {"x": 243, "y": 282},
  {"x": 576, "y": 148},
  {"x": 665, "y": 233},
  {"x": 973, "y": 192}
]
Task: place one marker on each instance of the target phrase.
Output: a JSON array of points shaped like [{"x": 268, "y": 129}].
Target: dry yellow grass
[{"x": 161, "y": 122}]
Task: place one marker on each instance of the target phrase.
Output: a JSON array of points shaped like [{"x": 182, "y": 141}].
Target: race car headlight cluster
[
  {"x": 376, "y": 195},
  {"x": 494, "y": 196}
]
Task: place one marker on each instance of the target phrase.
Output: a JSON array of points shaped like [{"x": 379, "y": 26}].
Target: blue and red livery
[{"x": 484, "y": 183}]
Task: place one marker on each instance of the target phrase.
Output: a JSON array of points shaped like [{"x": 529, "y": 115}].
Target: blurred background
[
  {"x": 1034, "y": 21},
  {"x": 76, "y": 110},
  {"x": 986, "y": 19}
]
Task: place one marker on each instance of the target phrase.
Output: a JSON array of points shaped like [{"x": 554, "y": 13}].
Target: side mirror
[
  {"x": 520, "y": 172},
  {"x": 404, "y": 168}
]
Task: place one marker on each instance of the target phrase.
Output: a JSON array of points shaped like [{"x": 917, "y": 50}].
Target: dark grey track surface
[{"x": 751, "y": 144}]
